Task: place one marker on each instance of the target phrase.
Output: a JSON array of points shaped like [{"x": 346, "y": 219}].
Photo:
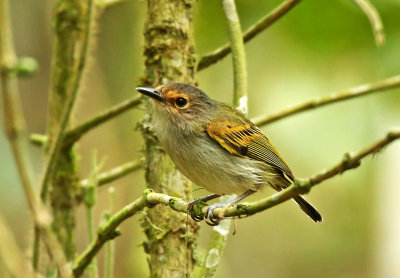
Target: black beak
[{"x": 150, "y": 92}]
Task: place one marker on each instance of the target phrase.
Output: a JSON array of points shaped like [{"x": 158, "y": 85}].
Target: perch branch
[
  {"x": 362, "y": 90},
  {"x": 149, "y": 199},
  {"x": 374, "y": 19},
  {"x": 253, "y": 31}
]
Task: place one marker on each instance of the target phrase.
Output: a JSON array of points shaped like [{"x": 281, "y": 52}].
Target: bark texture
[
  {"x": 169, "y": 57},
  {"x": 71, "y": 19}
]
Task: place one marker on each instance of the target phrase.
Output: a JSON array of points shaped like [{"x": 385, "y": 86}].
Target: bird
[{"x": 217, "y": 147}]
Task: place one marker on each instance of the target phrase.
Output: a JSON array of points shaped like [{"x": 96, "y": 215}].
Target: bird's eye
[{"x": 181, "y": 102}]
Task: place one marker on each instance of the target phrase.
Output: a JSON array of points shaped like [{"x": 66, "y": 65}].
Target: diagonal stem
[
  {"x": 362, "y": 90},
  {"x": 253, "y": 31}
]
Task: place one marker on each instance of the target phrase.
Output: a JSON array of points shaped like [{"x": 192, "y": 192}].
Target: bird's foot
[
  {"x": 196, "y": 206},
  {"x": 212, "y": 220},
  {"x": 195, "y": 209}
]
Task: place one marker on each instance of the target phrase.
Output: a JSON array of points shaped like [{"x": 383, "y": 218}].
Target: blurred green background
[{"x": 318, "y": 48}]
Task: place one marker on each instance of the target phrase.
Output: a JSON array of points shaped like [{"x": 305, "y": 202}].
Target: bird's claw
[
  {"x": 192, "y": 210},
  {"x": 197, "y": 204},
  {"x": 212, "y": 221}
]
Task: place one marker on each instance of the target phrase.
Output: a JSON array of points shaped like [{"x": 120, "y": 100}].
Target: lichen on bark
[
  {"x": 169, "y": 57},
  {"x": 71, "y": 27}
]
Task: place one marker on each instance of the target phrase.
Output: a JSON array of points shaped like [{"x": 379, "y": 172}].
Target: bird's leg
[
  {"x": 201, "y": 199},
  {"x": 224, "y": 206}
]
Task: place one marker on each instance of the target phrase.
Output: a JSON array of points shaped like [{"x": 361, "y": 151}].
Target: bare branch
[
  {"x": 362, "y": 90},
  {"x": 117, "y": 172},
  {"x": 77, "y": 132},
  {"x": 238, "y": 56},
  {"x": 374, "y": 19},
  {"x": 253, "y": 31}
]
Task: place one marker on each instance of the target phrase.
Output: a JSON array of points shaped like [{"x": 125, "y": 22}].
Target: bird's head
[{"x": 182, "y": 104}]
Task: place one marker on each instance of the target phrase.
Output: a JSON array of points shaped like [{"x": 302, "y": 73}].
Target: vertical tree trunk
[
  {"x": 70, "y": 21},
  {"x": 169, "y": 55}
]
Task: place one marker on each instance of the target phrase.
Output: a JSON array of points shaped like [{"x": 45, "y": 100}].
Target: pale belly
[{"x": 210, "y": 166}]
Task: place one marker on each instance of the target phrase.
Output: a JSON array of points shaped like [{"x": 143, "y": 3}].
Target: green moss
[{"x": 243, "y": 208}]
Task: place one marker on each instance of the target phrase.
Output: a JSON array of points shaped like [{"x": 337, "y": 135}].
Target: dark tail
[{"x": 308, "y": 208}]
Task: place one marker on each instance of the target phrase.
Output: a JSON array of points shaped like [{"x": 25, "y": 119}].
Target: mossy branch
[
  {"x": 253, "y": 31},
  {"x": 359, "y": 91},
  {"x": 149, "y": 199}
]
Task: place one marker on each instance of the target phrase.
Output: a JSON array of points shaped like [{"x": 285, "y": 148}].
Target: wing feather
[{"x": 241, "y": 137}]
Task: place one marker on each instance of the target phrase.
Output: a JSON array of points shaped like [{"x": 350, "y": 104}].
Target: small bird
[{"x": 217, "y": 147}]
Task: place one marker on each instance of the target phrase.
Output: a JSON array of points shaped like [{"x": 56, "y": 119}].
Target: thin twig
[
  {"x": 110, "y": 247},
  {"x": 14, "y": 122},
  {"x": 104, "y": 4},
  {"x": 150, "y": 199},
  {"x": 74, "y": 134},
  {"x": 253, "y": 31},
  {"x": 77, "y": 132},
  {"x": 116, "y": 173},
  {"x": 217, "y": 243},
  {"x": 238, "y": 56},
  {"x": 362, "y": 90},
  {"x": 90, "y": 201},
  {"x": 14, "y": 125},
  {"x": 374, "y": 19},
  {"x": 107, "y": 232}
]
